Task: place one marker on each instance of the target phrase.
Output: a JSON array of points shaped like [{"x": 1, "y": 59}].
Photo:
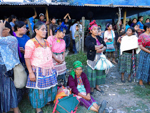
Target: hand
[
  {"x": 32, "y": 77},
  {"x": 101, "y": 46},
  {"x": 99, "y": 51},
  {"x": 87, "y": 98},
  {"x": 22, "y": 49},
  {"x": 2, "y": 24},
  {"x": 47, "y": 23}
]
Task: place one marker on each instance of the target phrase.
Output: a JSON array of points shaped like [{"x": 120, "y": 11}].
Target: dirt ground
[{"x": 120, "y": 96}]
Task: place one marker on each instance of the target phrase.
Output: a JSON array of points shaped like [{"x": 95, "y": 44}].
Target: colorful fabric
[
  {"x": 95, "y": 77},
  {"x": 133, "y": 64},
  {"x": 86, "y": 103},
  {"x": 57, "y": 45},
  {"x": 39, "y": 98},
  {"x": 80, "y": 86},
  {"x": 61, "y": 80},
  {"x": 126, "y": 63},
  {"x": 39, "y": 56},
  {"x": 60, "y": 68},
  {"x": 144, "y": 40},
  {"x": 8, "y": 93},
  {"x": 76, "y": 64},
  {"x": 9, "y": 52},
  {"x": 45, "y": 78},
  {"x": 143, "y": 71},
  {"x": 92, "y": 24}
]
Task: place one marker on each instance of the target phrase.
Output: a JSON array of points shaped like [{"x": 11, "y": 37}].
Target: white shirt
[
  {"x": 73, "y": 29},
  {"x": 108, "y": 35}
]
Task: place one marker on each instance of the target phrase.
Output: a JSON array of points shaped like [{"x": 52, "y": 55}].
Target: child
[{"x": 77, "y": 36}]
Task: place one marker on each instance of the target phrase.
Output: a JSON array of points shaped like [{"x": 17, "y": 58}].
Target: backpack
[{"x": 68, "y": 104}]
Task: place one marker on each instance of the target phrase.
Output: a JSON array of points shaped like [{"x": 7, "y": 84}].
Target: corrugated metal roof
[{"x": 66, "y": 4}]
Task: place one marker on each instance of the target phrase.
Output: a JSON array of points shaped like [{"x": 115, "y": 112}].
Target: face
[
  {"x": 61, "y": 34},
  {"x": 22, "y": 30},
  {"x": 120, "y": 23},
  {"x": 129, "y": 32},
  {"x": 66, "y": 20},
  {"x": 110, "y": 27},
  {"x": 60, "y": 23},
  {"x": 134, "y": 21},
  {"x": 42, "y": 18},
  {"x": 14, "y": 19},
  {"x": 136, "y": 27},
  {"x": 5, "y": 32},
  {"x": 147, "y": 21},
  {"x": 41, "y": 32},
  {"x": 94, "y": 31},
  {"x": 7, "y": 19},
  {"x": 141, "y": 19},
  {"x": 78, "y": 71},
  {"x": 77, "y": 28},
  {"x": 53, "y": 21}
]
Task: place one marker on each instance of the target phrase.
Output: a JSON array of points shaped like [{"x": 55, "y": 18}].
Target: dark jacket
[
  {"x": 90, "y": 44},
  {"x": 72, "y": 83}
]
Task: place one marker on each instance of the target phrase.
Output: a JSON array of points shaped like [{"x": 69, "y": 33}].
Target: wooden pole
[
  {"x": 83, "y": 26},
  {"x": 30, "y": 29},
  {"x": 119, "y": 19},
  {"x": 47, "y": 19},
  {"x": 124, "y": 18}
]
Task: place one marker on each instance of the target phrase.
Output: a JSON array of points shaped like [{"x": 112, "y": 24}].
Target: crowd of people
[{"x": 43, "y": 58}]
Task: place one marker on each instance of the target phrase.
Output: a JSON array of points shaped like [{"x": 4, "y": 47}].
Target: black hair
[
  {"x": 37, "y": 26},
  {"x": 58, "y": 21},
  {"x": 146, "y": 26},
  {"x": 53, "y": 18},
  {"x": 133, "y": 30},
  {"x": 77, "y": 25},
  {"x": 5, "y": 17},
  {"x": 133, "y": 19},
  {"x": 12, "y": 17},
  {"x": 139, "y": 18},
  {"x": 18, "y": 24},
  {"x": 107, "y": 26},
  {"x": 147, "y": 19},
  {"x": 9, "y": 26},
  {"x": 135, "y": 25}
]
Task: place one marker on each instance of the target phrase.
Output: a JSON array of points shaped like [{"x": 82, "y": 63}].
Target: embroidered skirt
[
  {"x": 125, "y": 63},
  {"x": 60, "y": 68},
  {"x": 39, "y": 98},
  {"x": 8, "y": 93},
  {"x": 45, "y": 78},
  {"x": 143, "y": 71}
]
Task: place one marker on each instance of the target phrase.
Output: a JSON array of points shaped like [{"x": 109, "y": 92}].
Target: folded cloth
[{"x": 129, "y": 43}]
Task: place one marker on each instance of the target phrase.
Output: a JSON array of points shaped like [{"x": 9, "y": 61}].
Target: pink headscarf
[{"x": 93, "y": 24}]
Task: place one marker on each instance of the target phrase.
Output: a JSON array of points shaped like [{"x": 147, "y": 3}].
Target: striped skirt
[
  {"x": 95, "y": 77},
  {"x": 60, "y": 68},
  {"x": 39, "y": 98},
  {"x": 8, "y": 93},
  {"x": 143, "y": 71},
  {"x": 125, "y": 63}
]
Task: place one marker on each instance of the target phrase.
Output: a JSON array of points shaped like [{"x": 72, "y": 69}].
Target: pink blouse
[
  {"x": 39, "y": 56},
  {"x": 57, "y": 45}
]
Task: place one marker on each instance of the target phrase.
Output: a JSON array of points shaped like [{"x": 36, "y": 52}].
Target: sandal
[
  {"x": 101, "y": 91},
  {"x": 123, "y": 80},
  {"x": 102, "y": 107}
]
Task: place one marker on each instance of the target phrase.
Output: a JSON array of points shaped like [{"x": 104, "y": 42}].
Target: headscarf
[
  {"x": 93, "y": 24},
  {"x": 76, "y": 64},
  {"x": 61, "y": 27}
]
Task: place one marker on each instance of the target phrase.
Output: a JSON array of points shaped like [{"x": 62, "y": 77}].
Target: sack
[
  {"x": 68, "y": 104},
  {"x": 103, "y": 63},
  {"x": 20, "y": 76},
  {"x": 110, "y": 45}
]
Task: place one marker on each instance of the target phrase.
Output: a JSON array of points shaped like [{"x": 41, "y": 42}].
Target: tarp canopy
[{"x": 59, "y": 9}]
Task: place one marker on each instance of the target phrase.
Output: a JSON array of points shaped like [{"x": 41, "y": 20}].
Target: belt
[{"x": 58, "y": 53}]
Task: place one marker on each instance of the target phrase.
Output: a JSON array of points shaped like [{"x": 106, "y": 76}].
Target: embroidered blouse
[{"x": 144, "y": 40}]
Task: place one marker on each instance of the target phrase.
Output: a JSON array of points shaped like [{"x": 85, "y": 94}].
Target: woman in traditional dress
[
  {"x": 42, "y": 79},
  {"x": 128, "y": 47},
  {"x": 143, "y": 72},
  {"x": 8, "y": 60},
  {"x": 141, "y": 26},
  {"x": 109, "y": 36},
  {"x": 80, "y": 86},
  {"x": 58, "y": 46},
  {"x": 95, "y": 46}
]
